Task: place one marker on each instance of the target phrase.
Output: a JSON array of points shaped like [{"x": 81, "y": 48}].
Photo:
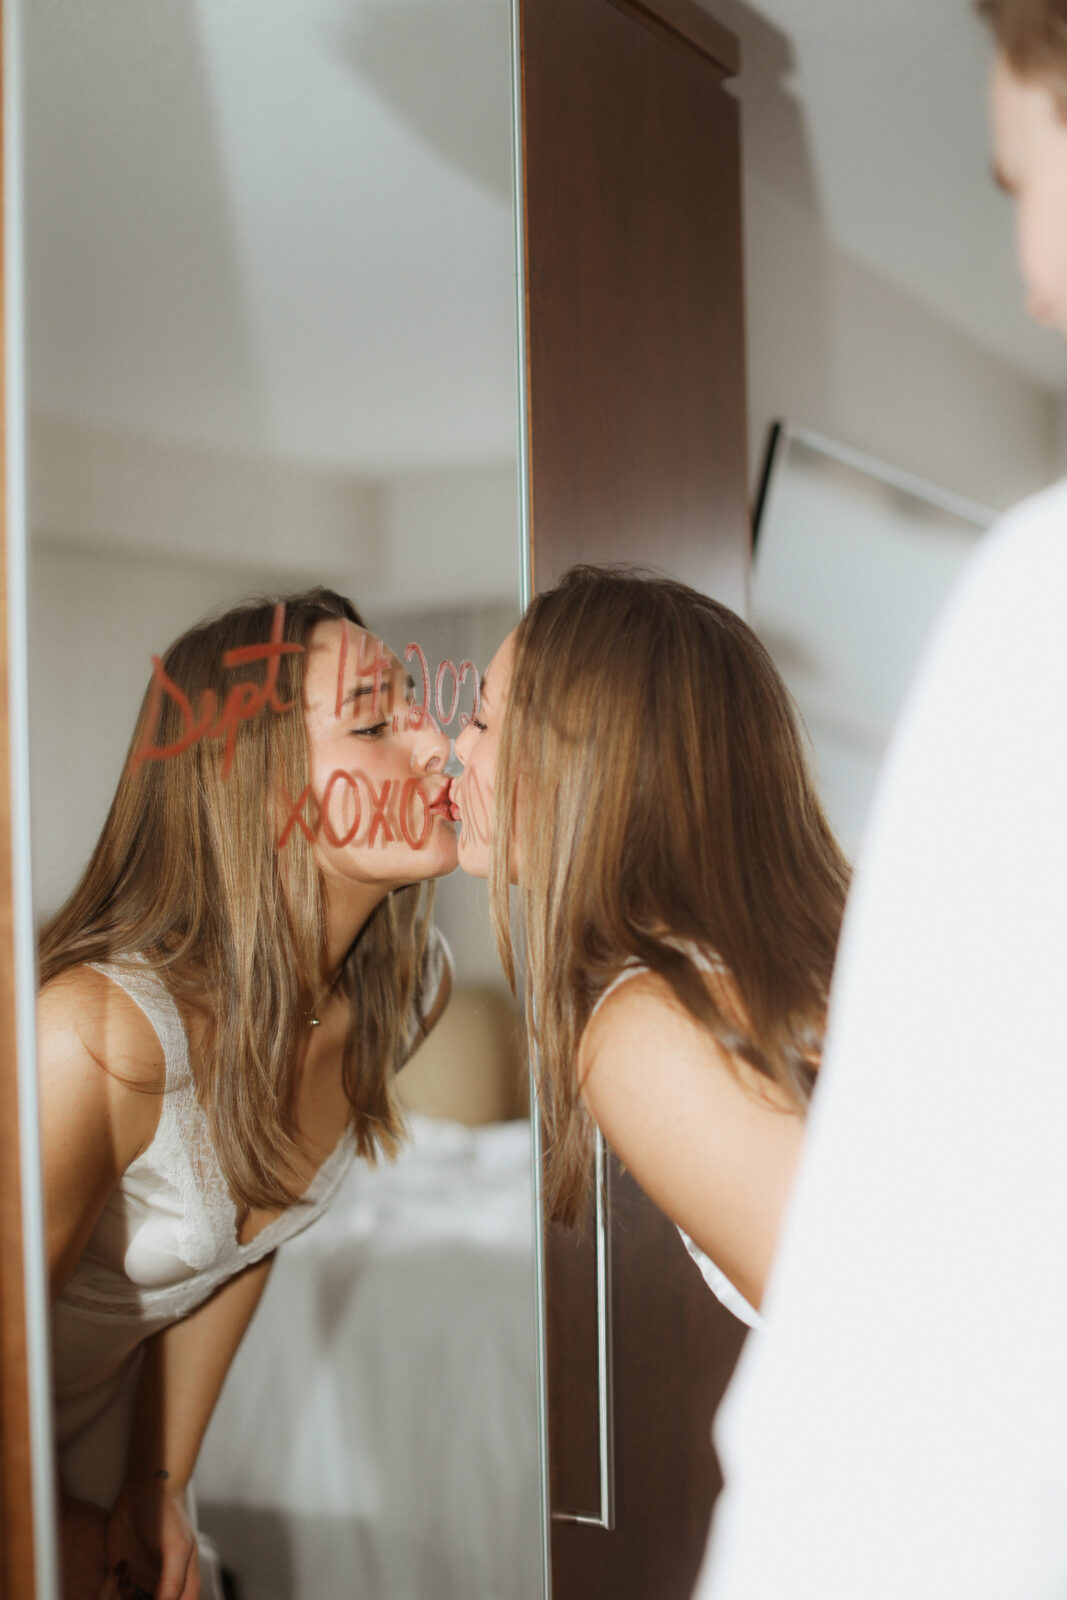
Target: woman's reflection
[{"x": 225, "y": 1003}]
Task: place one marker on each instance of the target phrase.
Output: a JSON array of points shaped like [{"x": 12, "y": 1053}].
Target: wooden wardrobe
[{"x": 635, "y": 411}]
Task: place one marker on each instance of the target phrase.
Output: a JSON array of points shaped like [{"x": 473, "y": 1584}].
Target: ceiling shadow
[
  {"x": 137, "y": 305},
  {"x": 445, "y": 72},
  {"x": 774, "y": 128}
]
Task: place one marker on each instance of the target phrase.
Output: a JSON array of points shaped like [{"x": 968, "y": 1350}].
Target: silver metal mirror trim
[
  {"x": 605, "y": 1517},
  {"x": 525, "y": 596},
  {"x": 34, "y": 1252}
]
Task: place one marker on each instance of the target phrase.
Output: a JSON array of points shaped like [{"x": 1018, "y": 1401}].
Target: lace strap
[
  {"x": 151, "y": 994},
  {"x": 633, "y": 968}
]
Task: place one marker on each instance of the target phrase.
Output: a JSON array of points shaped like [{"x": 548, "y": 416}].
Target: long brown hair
[
  {"x": 1031, "y": 35},
  {"x": 187, "y": 874},
  {"x": 652, "y": 793}
]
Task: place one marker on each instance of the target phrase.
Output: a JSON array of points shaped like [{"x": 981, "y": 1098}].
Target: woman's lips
[{"x": 441, "y": 805}]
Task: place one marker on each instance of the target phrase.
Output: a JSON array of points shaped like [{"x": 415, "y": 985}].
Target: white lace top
[
  {"x": 167, "y": 1237},
  {"x": 165, "y": 1240},
  {"x": 713, "y": 1276}
]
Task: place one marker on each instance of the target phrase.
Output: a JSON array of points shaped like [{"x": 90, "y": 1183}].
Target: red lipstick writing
[
  {"x": 244, "y": 701},
  {"x": 392, "y": 804},
  {"x": 391, "y": 812}
]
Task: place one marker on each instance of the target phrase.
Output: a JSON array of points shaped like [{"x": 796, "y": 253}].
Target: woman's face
[
  {"x": 1030, "y": 157},
  {"x": 381, "y": 812},
  {"x": 477, "y": 748}
]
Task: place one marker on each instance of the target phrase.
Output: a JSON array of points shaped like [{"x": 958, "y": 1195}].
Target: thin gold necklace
[{"x": 310, "y": 1017}]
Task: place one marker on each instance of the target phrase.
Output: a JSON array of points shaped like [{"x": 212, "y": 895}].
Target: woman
[
  {"x": 636, "y": 769},
  {"x": 226, "y": 997}
]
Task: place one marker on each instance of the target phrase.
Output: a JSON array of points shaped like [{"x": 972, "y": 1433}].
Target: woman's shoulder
[
  {"x": 85, "y": 1018},
  {"x": 636, "y": 992},
  {"x": 636, "y": 986},
  {"x": 100, "y": 1073},
  {"x": 639, "y": 1017}
]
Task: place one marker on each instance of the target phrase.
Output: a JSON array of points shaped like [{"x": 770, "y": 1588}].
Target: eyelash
[
  {"x": 375, "y": 731},
  {"x": 476, "y": 722}
]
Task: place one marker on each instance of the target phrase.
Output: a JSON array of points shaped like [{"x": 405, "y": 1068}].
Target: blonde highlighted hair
[
  {"x": 652, "y": 793},
  {"x": 187, "y": 874}
]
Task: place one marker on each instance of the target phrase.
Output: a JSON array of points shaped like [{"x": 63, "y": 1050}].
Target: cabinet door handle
[{"x": 605, "y": 1515}]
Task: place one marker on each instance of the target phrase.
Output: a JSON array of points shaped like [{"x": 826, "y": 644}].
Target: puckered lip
[{"x": 441, "y": 804}]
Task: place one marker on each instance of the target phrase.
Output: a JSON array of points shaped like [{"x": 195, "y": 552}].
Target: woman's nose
[
  {"x": 462, "y": 744},
  {"x": 432, "y": 747}
]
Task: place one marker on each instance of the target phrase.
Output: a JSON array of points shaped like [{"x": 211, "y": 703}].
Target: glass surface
[
  {"x": 271, "y": 342},
  {"x": 853, "y": 564}
]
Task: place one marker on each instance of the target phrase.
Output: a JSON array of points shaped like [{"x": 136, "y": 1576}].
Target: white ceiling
[
  {"x": 278, "y": 225},
  {"x": 286, "y": 224}
]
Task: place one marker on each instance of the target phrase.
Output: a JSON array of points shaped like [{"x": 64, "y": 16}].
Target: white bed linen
[{"x": 376, "y": 1436}]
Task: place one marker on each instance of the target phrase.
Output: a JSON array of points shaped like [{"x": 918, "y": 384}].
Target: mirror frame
[{"x": 29, "y": 1554}]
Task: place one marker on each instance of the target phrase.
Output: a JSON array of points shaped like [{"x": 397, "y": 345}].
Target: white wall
[
  {"x": 834, "y": 347},
  {"x": 96, "y": 617},
  {"x": 441, "y": 536}
]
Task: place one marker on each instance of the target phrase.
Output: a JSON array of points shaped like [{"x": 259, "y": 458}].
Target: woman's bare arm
[
  {"x": 183, "y": 1372},
  {"x": 712, "y": 1144},
  {"x": 101, "y": 1074}
]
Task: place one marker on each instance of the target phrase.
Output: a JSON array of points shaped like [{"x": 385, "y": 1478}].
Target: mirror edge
[
  {"x": 525, "y": 596},
  {"x": 38, "y": 1444}
]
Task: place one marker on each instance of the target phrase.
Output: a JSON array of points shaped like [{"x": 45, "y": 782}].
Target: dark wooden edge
[
  {"x": 687, "y": 22},
  {"x": 775, "y": 439},
  {"x": 17, "y": 1568}
]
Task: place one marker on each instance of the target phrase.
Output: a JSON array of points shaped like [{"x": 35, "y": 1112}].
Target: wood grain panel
[
  {"x": 675, "y": 1348},
  {"x": 635, "y": 414},
  {"x": 635, "y": 341},
  {"x": 684, "y": 23},
  {"x": 571, "y": 1352}
]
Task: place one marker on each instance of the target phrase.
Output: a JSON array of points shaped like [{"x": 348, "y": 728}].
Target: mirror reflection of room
[{"x": 271, "y": 347}]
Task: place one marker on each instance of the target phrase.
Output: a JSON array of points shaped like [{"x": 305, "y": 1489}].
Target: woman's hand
[
  {"x": 82, "y": 1548},
  {"x": 151, "y": 1530}
]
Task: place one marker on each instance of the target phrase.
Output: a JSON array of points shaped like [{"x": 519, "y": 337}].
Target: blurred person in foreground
[{"x": 901, "y": 1429}]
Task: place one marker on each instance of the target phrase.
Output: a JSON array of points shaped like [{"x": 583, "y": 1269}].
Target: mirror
[
  {"x": 853, "y": 562},
  {"x": 272, "y": 342}
]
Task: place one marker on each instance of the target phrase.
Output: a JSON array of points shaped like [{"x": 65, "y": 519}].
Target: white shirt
[{"x": 901, "y": 1428}]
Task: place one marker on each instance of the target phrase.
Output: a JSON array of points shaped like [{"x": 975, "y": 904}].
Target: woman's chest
[{"x": 320, "y": 1112}]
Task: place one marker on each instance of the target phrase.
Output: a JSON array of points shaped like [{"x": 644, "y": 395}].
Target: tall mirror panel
[{"x": 271, "y": 345}]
